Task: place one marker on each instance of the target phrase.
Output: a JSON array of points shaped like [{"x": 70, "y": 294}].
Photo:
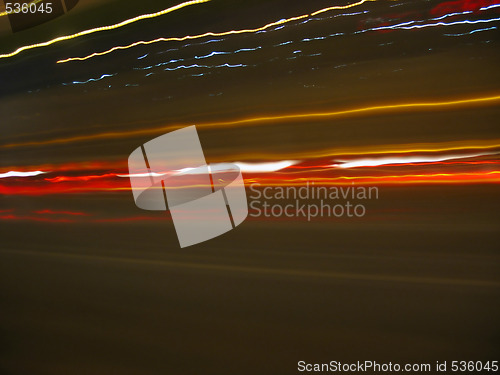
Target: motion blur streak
[
  {"x": 277, "y": 180},
  {"x": 79, "y": 178},
  {"x": 382, "y": 149},
  {"x": 338, "y": 7},
  {"x": 102, "y": 28},
  {"x": 35, "y": 218},
  {"x": 230, "y": 32},
  {"x": 432, "y": 178},
  {"x": 264, "y": 119},
  {"x": 265, "y": 167},
  {"x": 54, "y": 212},
  {"x": 404, "y": 160},
  {"x": 295, "y": 173},
  {"x": 20, "y": 174},
  {"x": 248, "y": 167}
]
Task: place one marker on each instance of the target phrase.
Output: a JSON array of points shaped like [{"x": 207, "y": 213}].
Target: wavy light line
[
  {"x": 244, "y": 167},
  {"x": 57, "y": 212},
  {"x": 20, "y": 174},
  {"x": 278, "y": 179},
  {"x": 326, "y": 154},
  {"x": 290, "y": 173},
  {"x": 103, "y": 28},
  {"x": 338, "y": 7},
  {"x": 466, "y": 22},
  {"x": 377, "y": 150},
  {"x": 405, "y": 160},
  {"x": 223, "y": 33},
  {"x": 422, "y": 178},
  {"x": 90, "y": 80},
  {"x": 264, "y": 119}
]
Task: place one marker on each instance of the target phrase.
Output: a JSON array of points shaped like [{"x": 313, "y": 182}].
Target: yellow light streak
[
  {"x": 266, "y": 119},
  {"x": 337, "y": 7},
  {"x": 377, "y": 150},
  {"x": 103, "y": 28},
  {"x": 223, "y": 33}
]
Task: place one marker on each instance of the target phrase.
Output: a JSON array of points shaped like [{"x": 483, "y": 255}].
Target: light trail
[
  {"x": 405, "y": 160},
  {"x": 244, "y": 167},
  {"x": 40, "y": 188},
  {"x": 378, "y": 150},
  {"x": 21, "y": 174},
  {"x": 472, "y": 32},
  {"x": 265, "y": 167},
  {"x": 466, "y": 22},
  {"x": 403, "y": 170},
  {"x": 266, "y": 119},
  {"x": 209, "y": 33},
  {"x": 420, "y": 178},
  {"x": 103, "y": 28},
  {"x": 58, "y": 212},
  {"x": 327, "y": 155},
  {"x": 339, "y": 7},
  {"x": 90, "y": 80}
]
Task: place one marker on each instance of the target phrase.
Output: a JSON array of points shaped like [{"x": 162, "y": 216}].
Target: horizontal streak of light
[
  {"x": 472, "y": 32},
  {"x": 405, "y": 160},
  {"x": 265, "y": 167},
  {"x": 53, "y": 212},
  {"x": 404, "y": 25},
  {"x": 466, "y": 22},
  {"x": 152, "y": 174},
  {"x": 339, "y": 7},
  {"x": 264, "y": 119},
  {"x": 431, "y": 178},
  {"x": 51, "y": 219},
  {"x": 209, "y": 33},
  {"x": 278, "y": 179},
  {"x": 179, "y": 39},
  {"x": 377, "y": 150},
  {"x": 90, "y": 80},
  {"x": 214, "y": 53},
  {"x": 244, "y": 167},
  {"x": 270, "y": 271},
  {"x": 35, "y": 218},
  {"x": 103, "y": 28},
  {"x": 320, "y": 168},
  {"x": 94, "y": 165},
  {"x": 490, "y": 7},
  {"x": 20, "y": 174},
  {"x": 251, "y": 167},
  {"x": 79, "y": 178}
]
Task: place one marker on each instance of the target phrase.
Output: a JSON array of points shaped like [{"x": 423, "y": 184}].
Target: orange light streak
[{"x": 412, "y": 106}]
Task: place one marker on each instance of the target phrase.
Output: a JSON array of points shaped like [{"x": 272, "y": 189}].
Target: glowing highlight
[
  {"x": 20, "y": 174},
  {"x": 265, "y": 119}
]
